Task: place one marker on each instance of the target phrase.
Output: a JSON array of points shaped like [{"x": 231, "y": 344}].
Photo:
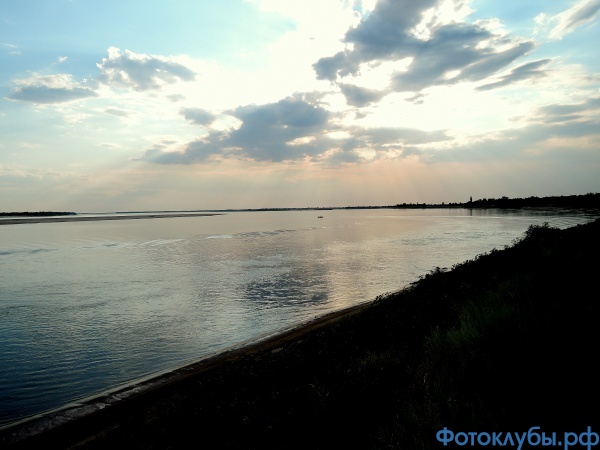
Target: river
[{"x": 86, "y": 306}]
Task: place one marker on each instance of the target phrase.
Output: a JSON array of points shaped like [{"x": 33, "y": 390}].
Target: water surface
[{"x": 86, "y": 306}]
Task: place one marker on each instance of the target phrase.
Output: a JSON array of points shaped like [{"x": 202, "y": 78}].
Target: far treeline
[{"x": 585, "y": 201}]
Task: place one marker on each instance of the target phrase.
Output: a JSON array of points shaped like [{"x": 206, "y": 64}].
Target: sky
[{"x": 130, "y": 105}]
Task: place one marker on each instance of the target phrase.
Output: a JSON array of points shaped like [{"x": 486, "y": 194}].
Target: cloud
[
  {"x": 198, "y": 116},
  {"x": 49, "y": 89},
  {"x": 276, "y": 131},
  {"x": 117, "y": 112},
  {"x": 12, "y": 49},
  {"x": 417, "y": 99},
  {"x": 292, "y": 129},
  {"x": 328, "y": 68},
  {"x": 438, "y": 52},
  {"x": 359, "y": 96},
  {"x": 383, "y": 35},
  {"x": 523, "y": 72},
  {"x": 197, "y": 151},
  {"x": 175, "y": 97},
  {"x": 527, "y": 142},
  {"x": 564, "y": 113},
  {"x": 581, "y": 13},
  {"x": 378, "y": 138},
  {"x": 110, "y": 146},
  {"x": 127, "y": 69},
  {"x": 141, "y": 72}
]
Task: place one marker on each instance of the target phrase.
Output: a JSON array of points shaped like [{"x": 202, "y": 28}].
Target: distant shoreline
[
  {"x": 590, "y": 201},
  {"x": 37, "y": 213},
  {"x": 71, "y": 218}
]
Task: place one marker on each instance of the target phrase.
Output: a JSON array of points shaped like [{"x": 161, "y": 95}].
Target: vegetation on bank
[
  {"x": 504, "y": 342},
  {"x": 589, "y": 201},
  {"x": 586, "y": 201}
]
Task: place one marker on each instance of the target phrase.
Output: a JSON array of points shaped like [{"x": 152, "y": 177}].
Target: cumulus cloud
[
  {"x": 281, "y": 131},
  {"x": 141, "y": 72},
  {"x": 439, "y": 52},
  {"x": 294, "y": 128},
  {"x": 268, "y": 131},
  {"x": 47, "y": 89}
]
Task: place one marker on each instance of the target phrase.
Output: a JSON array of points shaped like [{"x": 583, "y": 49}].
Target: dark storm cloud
[
  {"x": 452, "y": 52},
  {"x": 46, "y": 95},
  {"x": 524, "y": 72},
  {"x": 141, "y": 72},
  {"x": 198, "y": 116}
]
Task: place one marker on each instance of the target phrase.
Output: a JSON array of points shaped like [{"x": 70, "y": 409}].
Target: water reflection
[{"x": 298, "y": 287}]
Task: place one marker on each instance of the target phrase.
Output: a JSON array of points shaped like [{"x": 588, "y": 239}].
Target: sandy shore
[{"x": 17, "y": 221}]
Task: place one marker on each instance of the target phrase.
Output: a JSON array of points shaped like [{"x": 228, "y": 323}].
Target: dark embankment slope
[{"x": 501, "y": 343}]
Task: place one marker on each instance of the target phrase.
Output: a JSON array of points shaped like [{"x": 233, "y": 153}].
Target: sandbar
[{"x": 98, "y": 218}]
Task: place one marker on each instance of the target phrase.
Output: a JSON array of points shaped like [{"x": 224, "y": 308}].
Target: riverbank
[{"x": 501, "y": 343}]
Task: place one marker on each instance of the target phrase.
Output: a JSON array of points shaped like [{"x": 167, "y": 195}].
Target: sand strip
[{"x": 97, "y": 218}]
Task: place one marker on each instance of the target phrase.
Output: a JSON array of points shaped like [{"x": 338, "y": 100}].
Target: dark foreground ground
[{"x": 505, "y": 342}]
